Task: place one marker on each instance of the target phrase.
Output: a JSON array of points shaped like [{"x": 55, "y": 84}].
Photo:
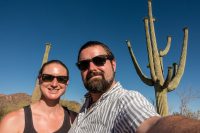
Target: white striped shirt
[{"x": 117, "y": 111}]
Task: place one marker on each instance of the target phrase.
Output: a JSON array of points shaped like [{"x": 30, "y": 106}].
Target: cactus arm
[
  {"x": 173, "y": 74},
  {"x": 158, "y": 70},
  {"x": 137, "y": 67},
  {"x": 168, "y": 78},
  {"x": 175, "y": 81},
  {"x": 149, "y": 50},
  {"x": 175, "y": 67},
  {"x": 161, "y": 64},
  {"x": 166, "y": 50}
]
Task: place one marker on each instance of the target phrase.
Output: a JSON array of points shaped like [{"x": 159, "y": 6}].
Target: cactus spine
[
  {"x": 161, "y": 86},
  {"x": 37, "y": 93}
]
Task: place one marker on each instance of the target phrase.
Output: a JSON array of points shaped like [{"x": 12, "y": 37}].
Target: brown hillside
[
  {"x": 2, "y": 95},
  {"x": 14, "y": 99}
]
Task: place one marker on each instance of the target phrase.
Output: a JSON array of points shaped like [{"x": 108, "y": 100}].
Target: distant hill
[
  {"x": 14, "y": 99},
  {"x": 2, "y": 95}
]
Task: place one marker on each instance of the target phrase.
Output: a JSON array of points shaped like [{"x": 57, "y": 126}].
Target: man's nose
[{"x": 92, "y": 66}]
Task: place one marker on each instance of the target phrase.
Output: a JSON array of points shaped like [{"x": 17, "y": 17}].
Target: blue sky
[{"x": 26, "y": 25}]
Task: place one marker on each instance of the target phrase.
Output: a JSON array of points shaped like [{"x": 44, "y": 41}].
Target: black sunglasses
[
  {"x": 50, "y": 78},
  {"x": 99, "y": 60}
]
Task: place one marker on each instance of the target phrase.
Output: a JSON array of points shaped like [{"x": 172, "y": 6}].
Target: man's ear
[
  {"x": 67, "y": 83},
  {"x": 113, "y": 62}
]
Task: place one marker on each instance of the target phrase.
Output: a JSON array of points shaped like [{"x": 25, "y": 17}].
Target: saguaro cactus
[
  {"x": 37, "y": 93},
  {"x": 161, "y": 85}
]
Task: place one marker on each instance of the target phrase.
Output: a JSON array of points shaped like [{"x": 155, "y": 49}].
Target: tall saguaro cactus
[
  {"x": 161, "y": 85},
  {"x": 37, "y": 93}
]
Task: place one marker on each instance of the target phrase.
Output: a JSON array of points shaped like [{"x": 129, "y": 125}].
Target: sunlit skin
[
  {"x": 47, "y": 113},
  {"x": 53, "y": 90},
  {"x": 108, "y": 68}
]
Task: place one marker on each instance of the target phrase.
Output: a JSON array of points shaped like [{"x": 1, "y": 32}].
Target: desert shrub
[{"x": 72, "y": 105}]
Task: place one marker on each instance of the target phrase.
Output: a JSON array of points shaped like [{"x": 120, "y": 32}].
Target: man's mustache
[{"x": 91, "y": 74}]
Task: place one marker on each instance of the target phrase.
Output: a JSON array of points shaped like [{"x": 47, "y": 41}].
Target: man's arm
[
  {"x": 147, "y": 124},
  {"x": 12, "y": 123},
  {"x": 176, "y": 124}
]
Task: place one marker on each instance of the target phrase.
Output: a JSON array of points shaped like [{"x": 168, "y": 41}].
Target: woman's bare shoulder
[{"x": 13, "y": 122}]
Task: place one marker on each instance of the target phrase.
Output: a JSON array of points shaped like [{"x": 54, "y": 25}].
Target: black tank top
[{"x": 29, "y": 128}]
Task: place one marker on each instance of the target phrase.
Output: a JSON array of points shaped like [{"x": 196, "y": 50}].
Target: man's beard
[{"x": 98, "y": 85}]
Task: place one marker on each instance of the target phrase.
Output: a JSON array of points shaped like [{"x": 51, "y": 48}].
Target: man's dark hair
[
  {"x": 96, "y": 43},
  {"x": 50, "y": 62}
]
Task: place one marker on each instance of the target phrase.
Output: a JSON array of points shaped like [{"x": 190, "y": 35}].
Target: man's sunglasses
[
  {"x": 99, "y": 60},
  {"x": 50, "y": 78}
]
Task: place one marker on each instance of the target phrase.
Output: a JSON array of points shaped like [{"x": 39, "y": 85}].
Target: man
[
  {"x": 108, "y": 107},
  {"x": 46, "y": 115}
]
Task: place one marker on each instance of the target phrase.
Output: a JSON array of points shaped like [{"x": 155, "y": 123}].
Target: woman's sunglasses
[
  {"x": 50, "y": 78},
  {"x": 99, "y": 60}
]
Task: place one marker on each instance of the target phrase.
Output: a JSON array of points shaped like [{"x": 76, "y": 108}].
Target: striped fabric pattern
[{"x": 117, "y": 111}]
